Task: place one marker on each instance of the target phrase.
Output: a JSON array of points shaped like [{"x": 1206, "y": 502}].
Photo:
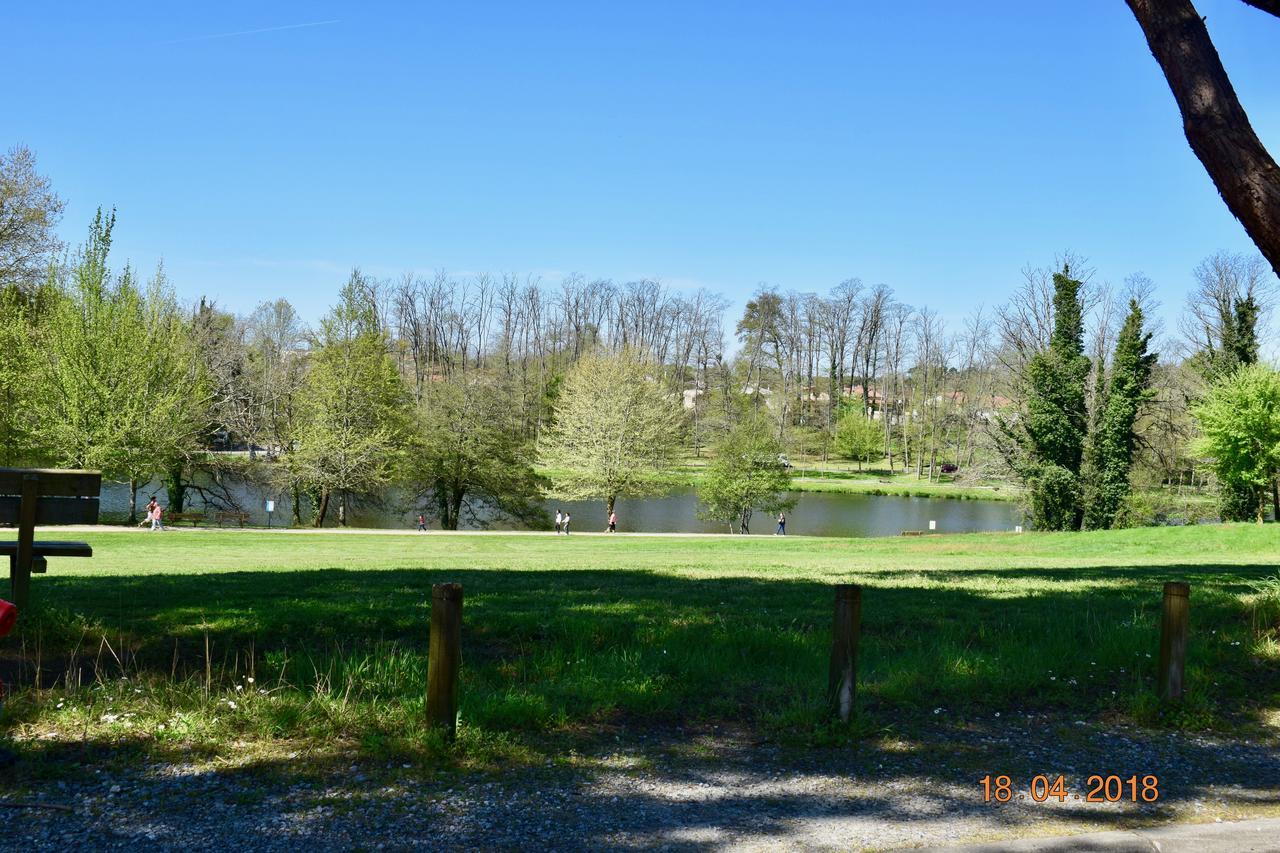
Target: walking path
[
  {"x": 674, "y": 790},
  {"x": 378, "y": 531}
]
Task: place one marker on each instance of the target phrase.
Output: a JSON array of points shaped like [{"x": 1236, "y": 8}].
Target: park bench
[
  {"x": 224, "y": 516},
  {"x": 194, "y": 517},
  {"x": 31, "y": 496}
]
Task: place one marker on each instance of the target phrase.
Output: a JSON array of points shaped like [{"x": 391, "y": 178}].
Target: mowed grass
[{"x": 237, "y": 640}]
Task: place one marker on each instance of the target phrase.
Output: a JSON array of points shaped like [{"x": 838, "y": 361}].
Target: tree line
[{"x": 479, "y": 395}]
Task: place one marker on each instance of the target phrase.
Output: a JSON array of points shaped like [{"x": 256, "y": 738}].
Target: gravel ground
[{"x": 673, "y": 790}]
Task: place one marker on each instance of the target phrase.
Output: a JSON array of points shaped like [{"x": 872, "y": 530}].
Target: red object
[{"x": 8, "y": 617}]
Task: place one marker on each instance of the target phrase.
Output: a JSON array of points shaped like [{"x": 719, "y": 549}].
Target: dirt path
[{"x": 673, "y": 790}]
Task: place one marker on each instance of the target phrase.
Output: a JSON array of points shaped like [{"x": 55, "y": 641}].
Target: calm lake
[{"x": 815, "y": 514}]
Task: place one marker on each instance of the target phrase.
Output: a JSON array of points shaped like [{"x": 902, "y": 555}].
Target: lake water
[{"x": 815, "y": 513}]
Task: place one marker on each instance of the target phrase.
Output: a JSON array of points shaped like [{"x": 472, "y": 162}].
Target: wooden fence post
[
  {"x": 842, "y": 682},
  {"x": 1173, "y": 640},
  {"x": 444, "y": 657}
]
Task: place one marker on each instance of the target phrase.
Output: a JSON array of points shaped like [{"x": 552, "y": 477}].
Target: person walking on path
[
  {"x": 782, "y": 525},
  {"x": 149, "y": 510},
  {"x": 566, "y": 524},
  {"x": 559, "y": 522},
  {"x": 613, "y": 522},
  {"x": 156, "y": 515},
  {"x": 422, "y": 522}
]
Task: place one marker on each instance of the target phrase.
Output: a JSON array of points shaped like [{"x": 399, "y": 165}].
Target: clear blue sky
[{"x": 937, "y": 147}]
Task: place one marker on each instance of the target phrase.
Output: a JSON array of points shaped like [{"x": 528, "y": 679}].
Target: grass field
[{"x": 232, "y": 641}]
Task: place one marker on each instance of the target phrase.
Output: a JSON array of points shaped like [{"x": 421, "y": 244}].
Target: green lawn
[{"x": 154, "y": 640}]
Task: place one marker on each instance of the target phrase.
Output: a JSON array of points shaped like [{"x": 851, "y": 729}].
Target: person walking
[
  {"x": 566, "y": 524},
  {"x": 147, "y": 511},
  {"x": 422, "y": 522},
  {"x": 559, "y": 522},
  {"x": 613, "y": 522},
  {"x": 782, "y": 525},
  {"x": 156, "y": 515}
]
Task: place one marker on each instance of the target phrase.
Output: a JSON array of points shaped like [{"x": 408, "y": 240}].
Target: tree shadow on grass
[
  {"x": 1014, "y": 672},
  {"x": 697, "y": 791}
]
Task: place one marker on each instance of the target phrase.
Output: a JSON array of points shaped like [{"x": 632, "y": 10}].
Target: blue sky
[{"x": 933, "y": 146}]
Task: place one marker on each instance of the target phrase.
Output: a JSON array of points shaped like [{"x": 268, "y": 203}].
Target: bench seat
[{"x": 50, "y": 549}]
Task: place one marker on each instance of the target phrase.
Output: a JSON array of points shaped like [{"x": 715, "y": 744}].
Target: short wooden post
[
  {"x": 842, "y": 681},
  {"x": 1173, "y": 640},
  {"x": 444, "y": 657}
]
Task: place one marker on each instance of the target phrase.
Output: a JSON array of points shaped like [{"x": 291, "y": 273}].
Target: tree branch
[
  {"x": 1216, "y": 125},
  {"x": 1271, "y": 6}
]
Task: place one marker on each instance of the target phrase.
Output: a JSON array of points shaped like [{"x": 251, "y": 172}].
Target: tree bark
[
  {"x": 1215, "y": 123},
  {"x": 322, "y": 508},
  {"x": 133, "y": 501}
]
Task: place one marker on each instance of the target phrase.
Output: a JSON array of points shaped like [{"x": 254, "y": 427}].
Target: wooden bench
[
  {"x": 194, "y": 517},
  {"x": 31, "y": 496},
  {"x": 224, "y": 516}
]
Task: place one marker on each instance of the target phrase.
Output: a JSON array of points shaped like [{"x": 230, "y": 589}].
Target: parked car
[{"x": 949, "y": 467}]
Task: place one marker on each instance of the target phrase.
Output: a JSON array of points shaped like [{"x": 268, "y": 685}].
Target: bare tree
[{"x": 29, "y": 215}]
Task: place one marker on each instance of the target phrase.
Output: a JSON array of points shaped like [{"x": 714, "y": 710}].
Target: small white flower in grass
[
  {"x": 239, "y": 687},
  {"x": 1053, "y": 678},
  {"x": 249, "y": 679},
  {"x": 937, "y": 710},
  {"x": 233, "y": 705},
  {"x": 60, "y": 704},
  {"x": 997, "y": 713}
]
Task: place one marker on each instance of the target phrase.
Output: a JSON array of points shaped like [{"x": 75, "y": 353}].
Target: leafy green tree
[
  {"x": 1109, "y": 457},
  {"x": 121, "y": 388},
  {"x": 19, "y": 383},
  {"x": 355, "y": 416},
  {"x": 745, "y": 475},
  {"x": 1056, "y": 422},
  {"x": 470, "y": 449},
  {"x": 616, "y": 431},
  {"x": 858, "y": 437},
  {"x": 1240, "y": 433}
]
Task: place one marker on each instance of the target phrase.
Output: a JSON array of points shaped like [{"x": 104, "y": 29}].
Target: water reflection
[{"x": 815, "y": 514}]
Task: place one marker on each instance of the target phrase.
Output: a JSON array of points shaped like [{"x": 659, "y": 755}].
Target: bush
[{"x": 1055, "y": 498}]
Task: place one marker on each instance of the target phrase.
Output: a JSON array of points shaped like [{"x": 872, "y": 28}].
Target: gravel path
[{"x": 673, "y": 790}]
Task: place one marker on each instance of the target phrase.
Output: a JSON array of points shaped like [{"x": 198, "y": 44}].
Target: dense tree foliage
[
  {"x": 1109, "y": 456},
  {"x": 746, "y": 475},
  {"x": 858, "y": 437},
  {"x": 469, "y": 456},
  {"x": 354, "y": 419},
  {"x": 616, "y": 431},
  {"x": 1051, "y": 436},
  {"x": 1240, "y": 423},
  {"x": 442, "y": 386}
]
